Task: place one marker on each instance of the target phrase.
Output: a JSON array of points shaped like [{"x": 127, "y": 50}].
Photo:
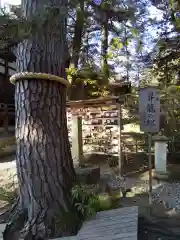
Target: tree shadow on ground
[
  {"x": 155, "y": 221},
  {"x": 172, "y": 169}
]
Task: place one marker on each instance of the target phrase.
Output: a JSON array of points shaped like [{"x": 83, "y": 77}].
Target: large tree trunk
[{"x": 44, "y": 163}]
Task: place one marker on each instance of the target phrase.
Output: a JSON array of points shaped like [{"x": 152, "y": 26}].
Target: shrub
[
  {"x": 85, "y": 200},
  {"x": 8, "y": 196}
]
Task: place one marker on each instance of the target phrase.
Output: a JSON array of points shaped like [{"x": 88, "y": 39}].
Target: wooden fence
[
  {"x": 7, "y": 115},
  {"x": 136, "y": 146},
  {"x": 138, "y": 143}
]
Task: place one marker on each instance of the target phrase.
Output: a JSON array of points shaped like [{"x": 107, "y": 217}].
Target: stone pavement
[{"x": 117, "y": 224}]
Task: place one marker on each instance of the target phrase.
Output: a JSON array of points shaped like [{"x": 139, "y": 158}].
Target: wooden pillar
[
  {"x": 6, "y": 115},
  {"x": 120, "y": 141},
  {"x": 77, "y": 144},
  {"x": 136, "y": 145}
]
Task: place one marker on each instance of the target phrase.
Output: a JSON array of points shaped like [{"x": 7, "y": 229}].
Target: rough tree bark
[{"x": 44, "y": 163}]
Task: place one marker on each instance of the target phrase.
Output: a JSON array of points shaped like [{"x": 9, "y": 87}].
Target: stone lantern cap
[{"x": 159, "y": 138}]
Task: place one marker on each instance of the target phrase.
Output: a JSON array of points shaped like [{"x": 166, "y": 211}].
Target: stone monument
[{"x": 160, "y": 152}]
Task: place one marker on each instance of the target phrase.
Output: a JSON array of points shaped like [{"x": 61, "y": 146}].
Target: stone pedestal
[
  {"x": 160, "y": 142},
  {"x": 77, "y": 145}
]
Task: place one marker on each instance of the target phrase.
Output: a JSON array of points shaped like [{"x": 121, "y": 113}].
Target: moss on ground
[
  {"x": 7, "y": 142},
  {"x": 7, "y": 147},
  {"x": 108, "y": 202}
]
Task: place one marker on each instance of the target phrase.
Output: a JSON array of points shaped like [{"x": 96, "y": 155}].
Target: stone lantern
[{"x": 160, "y": 156}]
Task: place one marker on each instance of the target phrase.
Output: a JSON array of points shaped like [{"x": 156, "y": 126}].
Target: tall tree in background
[
  {"x": 78, "y": 30},
  {"x": 110, "y": 15},
  {"x": 95, "y": 22},
  {"x": 170, "y": 9},
  {"x": 163, "y": 69},
  {"x": 44, "y": 163}
]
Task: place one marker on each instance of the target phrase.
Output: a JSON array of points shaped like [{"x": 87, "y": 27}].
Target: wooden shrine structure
[{"x": 7, "y": 68}]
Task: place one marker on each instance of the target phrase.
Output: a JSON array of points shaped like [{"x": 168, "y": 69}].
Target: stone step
[{"x": 117, "y": 224}]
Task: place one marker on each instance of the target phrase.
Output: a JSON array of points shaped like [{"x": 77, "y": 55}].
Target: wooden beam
[{"x": 90, "y": 102}]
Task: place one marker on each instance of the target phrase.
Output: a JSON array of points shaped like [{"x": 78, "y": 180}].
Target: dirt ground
[
  {"x": 8, "y": 179},
  {"x": 155, "y": 222}
]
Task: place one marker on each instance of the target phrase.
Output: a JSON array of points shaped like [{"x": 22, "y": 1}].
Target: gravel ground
[
  {"x": 8, "y": 177},
  {"x": 7, "y": 173},
  {"x": 161, "y": 230},
  {"x": 167, "y": 193}
]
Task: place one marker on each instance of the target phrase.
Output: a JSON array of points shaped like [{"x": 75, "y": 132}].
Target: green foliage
[
  {"x": 116, "y": 43},
  {"x": 106, "y": 203},
  {"x": 164, "y": 72},
  {"x": 71, "y": 71},
  {"x": 8, "y": 196},
  {"x": 86, "y": 201},
  {"x": 92, "y": 79},
  {"x": 124, "y": 21},
  {"x": 9, "y": 191},
  {"x": 134, "y": 32},
  {"x": 14, "y": 28},
  {"x": 175, "y": 9},
  {"x": 164, "y": 75}
]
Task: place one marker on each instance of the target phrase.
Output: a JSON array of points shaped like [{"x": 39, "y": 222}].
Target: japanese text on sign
[{"x": 149, "y": 109}]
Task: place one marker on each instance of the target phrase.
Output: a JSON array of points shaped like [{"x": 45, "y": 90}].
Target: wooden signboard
[{"x": 149, "y": 110}]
